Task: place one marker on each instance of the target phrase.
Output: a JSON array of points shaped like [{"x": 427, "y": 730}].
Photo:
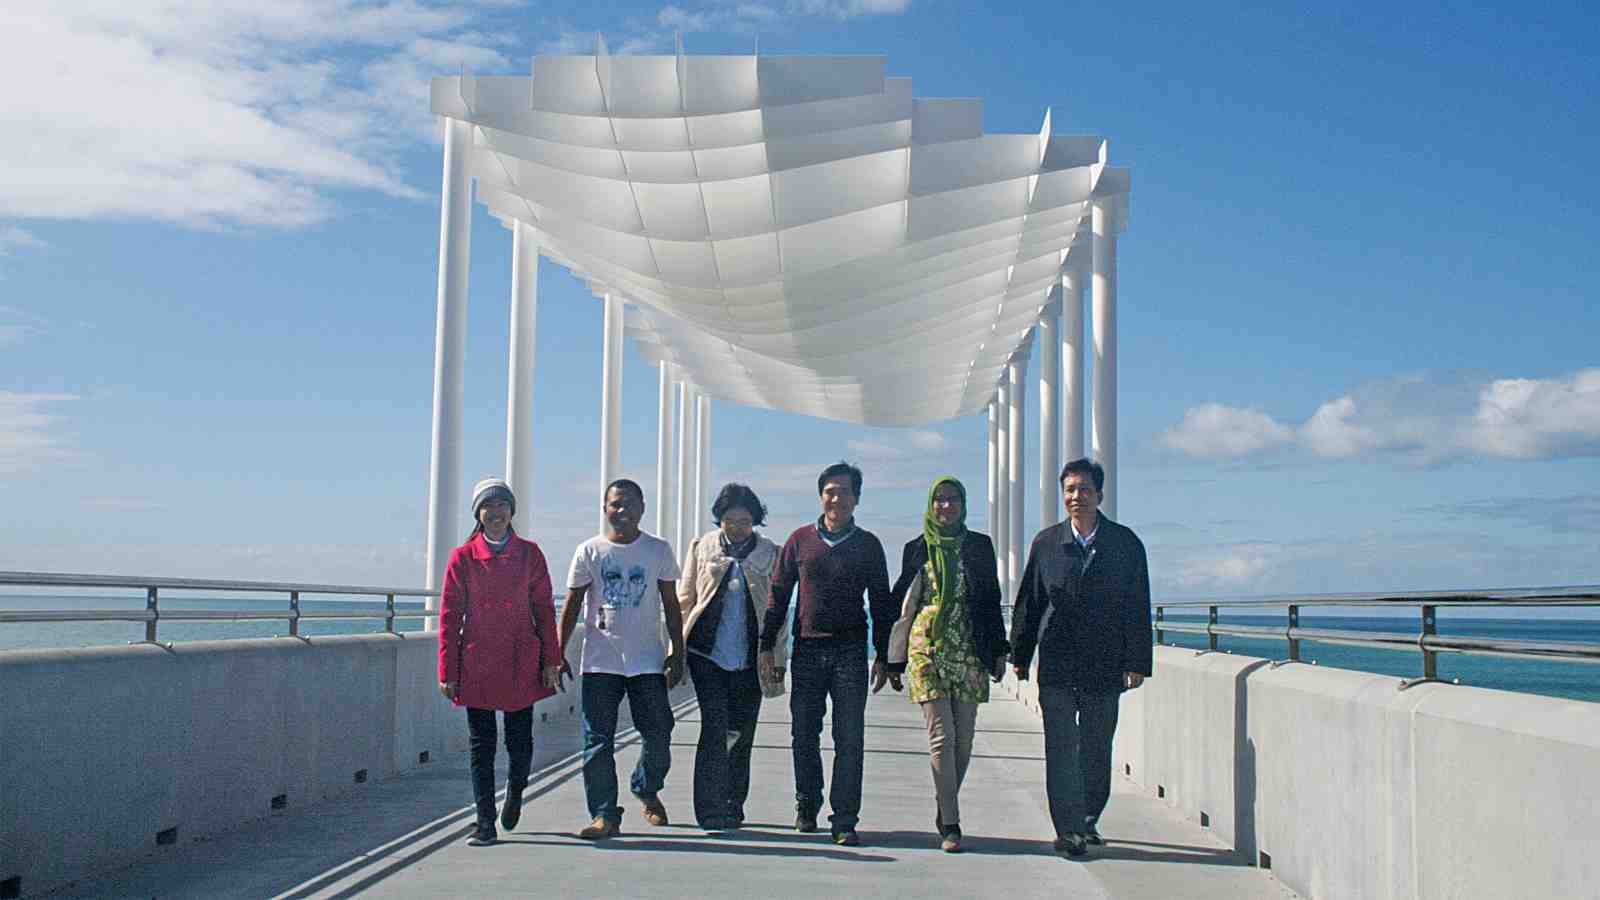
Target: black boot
[{"x": 511, "y": 812}]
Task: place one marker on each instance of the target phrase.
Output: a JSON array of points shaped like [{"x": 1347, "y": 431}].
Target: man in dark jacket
[{"x": 1084, "y": 604}]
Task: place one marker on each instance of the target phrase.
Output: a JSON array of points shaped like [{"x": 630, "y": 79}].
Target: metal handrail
[
  {"x": 1426, "y": 640},
  {"x": 152, "y": 614}
]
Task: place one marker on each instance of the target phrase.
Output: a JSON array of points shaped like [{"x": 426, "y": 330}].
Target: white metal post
[
  {"x": 519, "y": 388},
  {"x": 1002, "y": 494},
  {"x": 686, "y": 404},
  {"x": 1049, "y": 402},
  {"x": 1016, "y": 543},
  {"x": 994, "y": 446},
  {"x": 449, "y": 355},
  {"x": 611, "y": 398},
  {"x": 702, "y": 467},
  {"x": 666, "y": 513},
  {"x": 1072, "y": 361},
  {"x": 1103, "y": 226}
]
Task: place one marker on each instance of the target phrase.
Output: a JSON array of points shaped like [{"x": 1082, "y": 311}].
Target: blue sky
[{"x": 1358, "y": 312}]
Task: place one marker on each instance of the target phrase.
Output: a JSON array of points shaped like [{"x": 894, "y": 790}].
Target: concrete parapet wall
[
  {"x": 1354, "y": 788},
  {"x": 102, "y": 749}
]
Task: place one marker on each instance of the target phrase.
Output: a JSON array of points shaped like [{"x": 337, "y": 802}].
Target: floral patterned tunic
[{"x": 956, "y": 671}]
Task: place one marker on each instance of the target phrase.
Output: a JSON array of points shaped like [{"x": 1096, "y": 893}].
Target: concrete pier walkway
[{"x": 405, "y": 837}]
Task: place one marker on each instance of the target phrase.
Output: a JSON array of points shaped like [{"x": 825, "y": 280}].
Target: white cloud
[
  {"x": 216, "y": 112},
  {"x": 29, "y": 436},
  {"x": 1418, "y": 419},
  {"x": 1212, "y": 430},
  {"x": 17, "y": 325},
  {"x": 848, "y": 9},
  {"x": 13, "y": 238},
  {"x": 898, "y": 445},
  {"x": 740, "y": 17}
]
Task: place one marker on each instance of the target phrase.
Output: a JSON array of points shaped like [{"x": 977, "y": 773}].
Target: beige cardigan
[{"x": 702, "y": 575}]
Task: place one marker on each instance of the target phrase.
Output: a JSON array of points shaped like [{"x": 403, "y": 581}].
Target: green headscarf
[{"x": 944, "y": 551}]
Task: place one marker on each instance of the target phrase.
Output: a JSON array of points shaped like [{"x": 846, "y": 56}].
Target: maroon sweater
[{"x": 832, "y": 581}]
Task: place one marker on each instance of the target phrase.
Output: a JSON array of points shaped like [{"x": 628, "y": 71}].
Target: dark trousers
[
  {"x": 824, "y": 668},
  {"x": 519, "y": 749},
  {"x": 729, "y": 705},
  {"x": 1078, "y": 727},
  {"x": 652, "y": 716}
]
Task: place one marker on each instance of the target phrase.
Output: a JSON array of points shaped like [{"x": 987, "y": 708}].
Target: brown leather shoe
[
  {"x": 654, "y": 812},
  {"x": 600, "y": 828}
]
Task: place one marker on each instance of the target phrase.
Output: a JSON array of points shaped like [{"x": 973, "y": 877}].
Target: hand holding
[
  {"x": 1021, "y": 672},
  {"x": 999, "y": 671},
  {"x": 767, "y": 667},
  {"x": 1131, "y": 680},
  {"x": 450, "y": 690},
  {"x": 552, "y": 678},
  {"x": 674, "y": 669}
]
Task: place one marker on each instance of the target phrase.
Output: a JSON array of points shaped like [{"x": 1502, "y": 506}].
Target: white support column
[
  {"x": 1103, "y": 226},
  {"x": 611, "y": 398},
  {"x": 1049, "y": 402},
  {"x": 1072, "y": 281},
  {"x": 1016, "y": 543},
  {"x": 666, "y": 513},
  {"x": 519, "y": 388},
  {"x": 702, "y": 466},
  {"x": 449, "y": 356},
  {"x": 1002, "y": 511},
  {"x": 686, "y": 436},
  {"x": 994, "y": 468}
]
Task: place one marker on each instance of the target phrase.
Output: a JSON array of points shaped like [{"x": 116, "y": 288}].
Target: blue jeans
[
  {"x": 730, "y": 703},
  {"x": 652, "y": 715},
  {"x": 822, "y": 668},
  {"x": 1078, "y": 727}
]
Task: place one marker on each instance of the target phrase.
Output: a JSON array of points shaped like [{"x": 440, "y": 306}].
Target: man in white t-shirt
[{"x": 625, "y": 584}]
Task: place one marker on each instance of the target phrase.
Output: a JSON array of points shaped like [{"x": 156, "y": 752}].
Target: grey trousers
[{"x": 950, "y": 728}]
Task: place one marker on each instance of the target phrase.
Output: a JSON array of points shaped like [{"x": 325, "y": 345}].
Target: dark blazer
[
  {"x": 1100, "y": 626},
  {"x": 983, "y": 593}
]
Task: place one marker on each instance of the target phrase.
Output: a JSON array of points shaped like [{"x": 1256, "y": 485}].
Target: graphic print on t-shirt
[{"x": 619, "y": 589}]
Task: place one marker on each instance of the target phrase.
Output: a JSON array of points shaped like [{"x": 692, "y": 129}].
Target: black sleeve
[
  {"x": 1032, "y": 600},
  {"x": 986, "y": 599},
  {"x": 1137, "y": 642},
  {"x": 908, "y": 571}
]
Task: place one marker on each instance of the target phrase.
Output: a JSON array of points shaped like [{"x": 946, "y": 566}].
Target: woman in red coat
[{"x": 497, "y": 647}]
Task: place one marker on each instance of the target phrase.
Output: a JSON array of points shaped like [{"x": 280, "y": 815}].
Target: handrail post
[
  {"x": 1294, "y": 642},
  {"x": 294, "y": 614},
  {"x": 1161, "y": 616},
  {"x": 388, "y": 621},
  {"x": 1211, "y": 622},
  {"x": 152, "y": 604},
  {"x": 1430, "y": 658}
]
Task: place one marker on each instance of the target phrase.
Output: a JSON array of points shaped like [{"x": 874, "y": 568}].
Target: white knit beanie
[{"x": 492, "y": 489}]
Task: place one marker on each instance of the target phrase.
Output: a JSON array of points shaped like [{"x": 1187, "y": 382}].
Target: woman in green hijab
[{"x": 950, "y": 640}]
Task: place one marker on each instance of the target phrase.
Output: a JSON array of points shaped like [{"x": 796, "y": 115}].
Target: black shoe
[
  {"x": 805, "y": 822},
  {"x": 1071, "y": 845},
  {"x": 1091, "y": 836},
  {"x": 847, "y": 838},
  {"x": 483, "y": 836},
  {"x": 511, "y": 813}
]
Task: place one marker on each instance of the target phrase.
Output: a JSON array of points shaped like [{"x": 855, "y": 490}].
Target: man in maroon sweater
[{"x": 835, "y": 564}]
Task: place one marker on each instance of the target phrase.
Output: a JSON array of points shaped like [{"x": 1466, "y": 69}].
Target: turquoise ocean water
[{"x": 1573, "y": 680}]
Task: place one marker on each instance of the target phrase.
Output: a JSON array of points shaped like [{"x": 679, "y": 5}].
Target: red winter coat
[{"x": 489, "y": 641}]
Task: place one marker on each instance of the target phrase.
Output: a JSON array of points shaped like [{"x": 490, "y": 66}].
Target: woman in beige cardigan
[{"x": 729, "y": 578}]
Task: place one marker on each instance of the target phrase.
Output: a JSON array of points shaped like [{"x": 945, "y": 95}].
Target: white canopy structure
[{"x": 796, "y": 233}]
